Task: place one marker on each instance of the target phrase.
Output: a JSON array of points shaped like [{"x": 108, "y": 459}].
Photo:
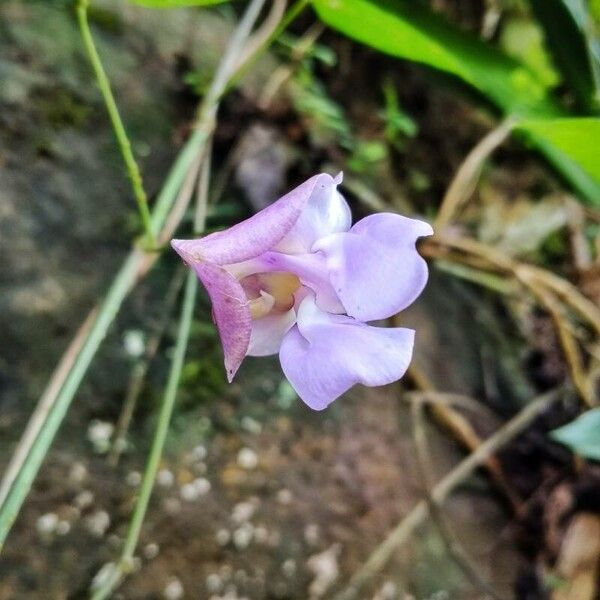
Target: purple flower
[{"x": 297, "y": 279}]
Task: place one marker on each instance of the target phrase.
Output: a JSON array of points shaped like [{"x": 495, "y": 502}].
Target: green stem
[
  {"x": 158, "y": 442},
  {"x": 107, "y": 313},
  {"x": 288, "y": 18},
  {"x": 115, "y": 576},
  {"x": 124, "y": 281},
  {"x": 132, "y": 269},
  {"x": 131, "y": 165}
]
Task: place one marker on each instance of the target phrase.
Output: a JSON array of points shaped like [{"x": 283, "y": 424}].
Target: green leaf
[
  {"x": 407, "y": 29},
  {"x": 571, "y": 38},
  {"x": 581, "y": 435},
  {"x": 572, "y": 145},
  {"x": 176, "y": 3}
]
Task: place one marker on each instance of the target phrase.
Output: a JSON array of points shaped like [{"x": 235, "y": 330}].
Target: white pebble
[
  {"x": 214, "y": 583},
  {"x": 242, "y": 512},
  {"x": 173, "y": 590},
  {"x": 223, "y": 537},
  {"x": 151, "y": 551},
  {"x": 84, "y": 499},
  {"x": 98, "y": 522},
  {"x": 289, "y": 567},
  {"x": 195, "y": 489},
  {"x": 47, "y": 523},
  {"x": 261, "y": 534},
  {"x": 165, "y": 478},
  {"x": 247, "y": 459},
  {"x": 78, "y": 473},
  {"x": 63, "y": 527},
  {"x": 202, "y": 485},
  {"x": 134, "y": 478},
  {"x": 199, "y": 452},
  {"x": 99, "y": 434},
  {"x": 242, "y": 536},
  {"x": 311, "y": 534},
  {"x": 284, "y": 496},
  {"x": 251, "y": 425},
  {"x": 172, "y": 506},
  {"x": 325, "y": 569},
  {"x": 134, "y": 343}
]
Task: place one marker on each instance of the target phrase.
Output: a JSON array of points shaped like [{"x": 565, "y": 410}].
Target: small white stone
[
  {"x": 165, "y": 478},
  {"x": 134, "y": 343},
  {"x": 312, "y": 534},
  {"x": 199, "y": 452},
  {"x": 63, "y": 527},
  {"x": 242, "y": 512},
  {"x": 289, "y": 567},
  {"x": 325, "y": 569},
  {"x": 84, "y": 499},
  {"x": 134, "y": 478},
  {"x": 151, "y": 551},
  {"x": 247, "y": 459},
  {"x": 173, "y": 590},
  {"x": 223, "y": 537},
  {"x": 99, "y": 434},
  {"x": 46, "y": 524},
  {"x": 78, "y": 473},
  {"x": 195, "y": 489},
  {"x": 284, "y": 496},
  {"x": 202, "y": 486},
  {"x": 214, "y": 583},
  {"x": 98, "y": 522},
  {"x": 251, "y": 425},
  {"x": 188, "y": 492},
  {"x": 261, "y": 534},
  {"x": 172, "y": 506},
  {"x": 242, "y": 536}
]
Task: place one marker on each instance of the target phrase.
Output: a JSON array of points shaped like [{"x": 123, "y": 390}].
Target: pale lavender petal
[
  {"x": 375, "y": 268},
  {"x": 230, "y": 313},
  {"x": 255, "y": 235},
  {"x": 324, "y": 355},
  {"x": 325, "y": 212},
  {"x": 267, "y": 333}
]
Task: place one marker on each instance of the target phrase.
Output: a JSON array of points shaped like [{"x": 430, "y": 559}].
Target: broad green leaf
[
  {"x": 571, "y": 144},
  {"x": 176, "y": 3},
  {"x": 407, "y": 29},
  {"x": 571, "y": 38},
  {"x": 581, "y": 435}
]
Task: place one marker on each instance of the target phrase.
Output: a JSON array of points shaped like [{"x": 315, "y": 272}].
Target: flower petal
[
  {"x": 375, "y": 268},
  {"x": 324, "y": 355},
  {"x": 255, "y": 235},
  {"x": 231, "y": 313},
  {"x": 268, "y": 331},
  {"x": 326, "y": 212}
]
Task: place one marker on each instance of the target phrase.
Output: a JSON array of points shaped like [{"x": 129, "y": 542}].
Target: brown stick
[{"x": 405, "y": 528}]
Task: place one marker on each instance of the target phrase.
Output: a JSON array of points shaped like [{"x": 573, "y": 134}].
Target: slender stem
[
  {"x": 288, "y": 17},
  {"x": 135, "y": 266},
  {"x": 191, "y": 287},
  {"x": 131, "y": 165},
  {"x": 164, "y": 417},
  {"x": 107, "y": 313}
]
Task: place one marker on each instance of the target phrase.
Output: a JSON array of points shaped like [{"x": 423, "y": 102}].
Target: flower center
[{"x": 270, "y": 292}]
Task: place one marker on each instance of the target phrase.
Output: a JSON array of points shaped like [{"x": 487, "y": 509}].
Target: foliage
[
  {"x": 410, "y": 31},
  {"x": 582, "y": 435}
]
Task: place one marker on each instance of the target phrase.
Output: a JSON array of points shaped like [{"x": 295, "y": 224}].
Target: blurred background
[{"x": 478, "y": 116}]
